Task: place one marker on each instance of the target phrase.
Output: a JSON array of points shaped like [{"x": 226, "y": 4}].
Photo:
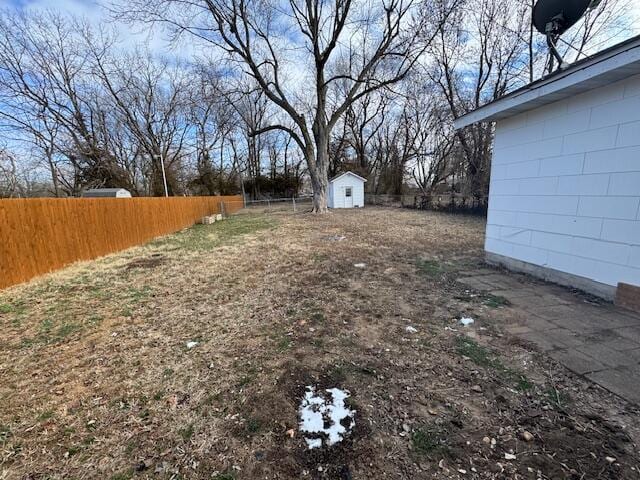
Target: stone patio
[{"x": 593, "y": 339}]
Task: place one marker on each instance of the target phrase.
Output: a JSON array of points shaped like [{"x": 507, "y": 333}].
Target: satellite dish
[{"x": 554, "y": 17}]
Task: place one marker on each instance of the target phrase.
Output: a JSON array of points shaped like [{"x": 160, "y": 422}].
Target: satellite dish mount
[
  {"x": 554, "y": 17},
  {"x": 553, "y": 31}
]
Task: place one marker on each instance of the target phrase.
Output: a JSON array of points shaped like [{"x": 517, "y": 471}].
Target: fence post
[
  {"x": 222, "y": 209},
  {"x": 294, "y": 204}
]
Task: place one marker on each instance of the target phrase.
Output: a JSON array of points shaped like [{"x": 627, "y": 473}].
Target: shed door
[{"x": 348, "y": 197}]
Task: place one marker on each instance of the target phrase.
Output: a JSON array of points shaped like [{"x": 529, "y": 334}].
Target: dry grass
[{"x": 96, "y": 380}]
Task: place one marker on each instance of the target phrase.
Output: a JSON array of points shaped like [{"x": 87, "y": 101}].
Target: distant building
[
  {"x": 346, "y": 191},
  {"x": 106, "y": 193},
  {"x": 564, "y": 200}
]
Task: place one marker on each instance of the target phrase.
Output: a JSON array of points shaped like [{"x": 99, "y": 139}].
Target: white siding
[
  {"x": 565, "y": 185},
  {"x": 337, "y": 191}
]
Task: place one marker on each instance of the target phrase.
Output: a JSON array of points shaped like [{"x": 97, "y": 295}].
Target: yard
[{"x": 188, "y": 358}]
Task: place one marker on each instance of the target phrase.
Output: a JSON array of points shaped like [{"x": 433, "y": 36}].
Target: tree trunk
[
  {"x": 319, "y": 171},
  {"x": 320, "y": 187}
]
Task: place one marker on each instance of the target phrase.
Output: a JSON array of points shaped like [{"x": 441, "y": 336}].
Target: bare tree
[
  {"x": 353, "y": 48},
  {"x": 151, "y": 99}
]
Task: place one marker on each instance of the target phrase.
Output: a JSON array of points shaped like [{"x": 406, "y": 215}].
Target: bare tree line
[{"x": 294, "y": 90}]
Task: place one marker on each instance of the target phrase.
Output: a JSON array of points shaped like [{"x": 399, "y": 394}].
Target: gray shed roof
[
  {"x": 611, "y": 65},
  {"x": 103, "y": 192}
]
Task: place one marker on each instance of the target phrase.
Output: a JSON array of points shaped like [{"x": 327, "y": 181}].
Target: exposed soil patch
[
  {"x": 153, "y": 261},
  {"x": 97, "y": 381}
]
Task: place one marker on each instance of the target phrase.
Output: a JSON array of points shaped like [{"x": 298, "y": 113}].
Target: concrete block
[
  {"x": 519, "y": 136},
  {"x": 492, "y": 231},
  {"x": 536, "y": 256},
  {"x": 498, "y": 247},
  {"x": 613, "y": 113},
  {"x": 527, "y": 169},
  {"x": 590, "y": 141},
  {"x": 566, "y": 124},
  {"x": 509, "y": 155},
  {"x": 634, "y": 257},
  {"x": 628, "y": 135},
  {"x": 622, "y": 231},
  {"x": 625, "y": 183},
  {"x": 511, "y": 123},
  {"x": 552, "y": 241},
  {"x": 611, "y": 161},
  {"x": 538, "y": 186},
  {"x": 565, "y": 165},
  {"x": 498, "y": 172},
  {"x": 621, "y": 208},
  {"x": 515, "y": 235},
  {"x": 546, "y": 112},
  {"x": 583, "y": 185},
  {"x": 617, "y": 253},
  {"x": 498, "y": 217},
  {"x": 598, "y": 96},
  {"x": 572, "y": 264},
  {"x": 552, "y": 275},
  {"x": 504, "y": 187},
  {"x": 612, "y": 274}
]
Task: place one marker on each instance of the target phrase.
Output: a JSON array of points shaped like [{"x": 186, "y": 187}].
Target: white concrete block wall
[{"x": 565, "y": 186}]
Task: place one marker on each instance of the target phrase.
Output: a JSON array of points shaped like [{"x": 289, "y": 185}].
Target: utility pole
[{"x": 164, "y": 175}]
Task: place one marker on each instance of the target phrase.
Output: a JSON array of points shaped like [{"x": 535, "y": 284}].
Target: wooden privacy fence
[{"x": 39, "y": 235}]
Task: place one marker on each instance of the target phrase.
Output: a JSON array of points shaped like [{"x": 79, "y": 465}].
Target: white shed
[
  {"x": 564, "y": 200},
  {"x": 346, "y": 191},
  {"x": 107, "y": 193}
]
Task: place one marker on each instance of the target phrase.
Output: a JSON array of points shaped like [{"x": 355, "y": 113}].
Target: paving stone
[
  {"x": 539, "y": 324},
  {"x": 550, "y": 312},
  {"x": 609, "y": 356},
  {"x": 632, "y": 333},
  {"x": 516, "y": 293},
  {"x": 501, "y": 281},
  {"x": 477, "y": 272},
  {"x": 568, "y": 338},
  {"x": 577, "y": 361},
  {"x": 475, "y": 283},
  {"x": 544, "y": 341},
  {"x": 616, "y": 319},
  {"x": 599, "y": 341},
  {"x": 610, "y": 339},
  {"x": 581, "y": 325},
  {"x": 623, "y": 382},
  {"x": 518, "y": 329}
]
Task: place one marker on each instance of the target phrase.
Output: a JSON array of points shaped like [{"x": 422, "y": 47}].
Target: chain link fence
[
  {"x": 274, "y": 205},
  {"x": 452, "y": 203}
]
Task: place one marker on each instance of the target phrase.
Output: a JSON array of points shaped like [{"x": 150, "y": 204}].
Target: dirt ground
[{"x": 97, "y": 380}]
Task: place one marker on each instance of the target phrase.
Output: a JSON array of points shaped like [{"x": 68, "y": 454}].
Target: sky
[
  {"x": 156, "y": 42},
  {"x": 91, "y": 9}
]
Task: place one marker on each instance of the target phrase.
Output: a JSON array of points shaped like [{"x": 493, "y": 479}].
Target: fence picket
[{"x": 40, "y": 235}]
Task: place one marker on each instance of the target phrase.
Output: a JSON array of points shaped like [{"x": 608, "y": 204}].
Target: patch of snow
[
  {"x": 411, "y": 329},
  {"x": 191, "y": 345},
  {"x": 324, "y": 417},
  {"x": 313, "y": 443},
  {"x": 360, "y": 265},
  {"x": 467, "y": 321}
]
